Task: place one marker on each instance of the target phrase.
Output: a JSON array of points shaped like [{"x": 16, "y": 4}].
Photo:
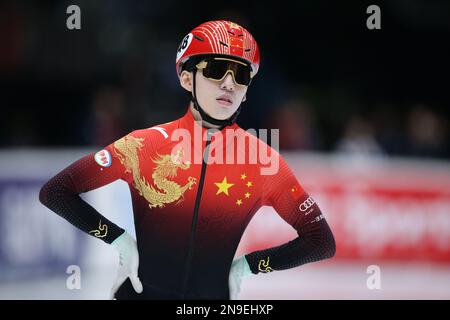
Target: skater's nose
[{"x": 228, "y": 82}]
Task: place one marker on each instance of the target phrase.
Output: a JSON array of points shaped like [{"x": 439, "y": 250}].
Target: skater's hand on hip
[
  {"x": 239, "y": 270},
  {"x": 128, "y": 263}
]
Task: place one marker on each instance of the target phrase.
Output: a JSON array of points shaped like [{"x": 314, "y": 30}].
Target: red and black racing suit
[{"x": 192, "y": 200}]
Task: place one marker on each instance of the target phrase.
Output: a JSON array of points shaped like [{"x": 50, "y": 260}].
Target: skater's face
[{"x": 219, "y": 98}]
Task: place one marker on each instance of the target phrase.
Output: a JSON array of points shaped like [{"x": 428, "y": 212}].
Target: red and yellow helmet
[{"x": 219, "y": 37}]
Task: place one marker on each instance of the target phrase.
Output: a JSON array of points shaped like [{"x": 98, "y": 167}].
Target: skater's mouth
[{"x": 225, "y": 99}]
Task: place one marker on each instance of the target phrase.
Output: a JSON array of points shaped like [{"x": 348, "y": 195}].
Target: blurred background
[{"x": 363, "y": 118}]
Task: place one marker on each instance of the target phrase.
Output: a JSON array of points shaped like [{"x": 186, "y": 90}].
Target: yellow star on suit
[{"x": 223, "y": 186}]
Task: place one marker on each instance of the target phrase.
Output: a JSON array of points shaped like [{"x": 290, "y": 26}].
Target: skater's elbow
[
  {"x": 330, "y": 250},
  {"x": 324, "y": 242},
  {"x": 328, "y": 243},
  {"x": 54, "y": 189},
  {"x": 48, "y": 192}
]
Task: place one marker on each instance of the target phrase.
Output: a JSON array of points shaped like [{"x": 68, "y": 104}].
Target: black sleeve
[
  {"x": 315, "y": 239},
  {"x": 61, "y": 195},
  {"x": 315, "y": 242}
]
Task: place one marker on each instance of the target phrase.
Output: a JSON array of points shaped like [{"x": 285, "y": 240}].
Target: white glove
[
  {"x": 239, "y": 270},
  {"x": 128, "y": 263}
]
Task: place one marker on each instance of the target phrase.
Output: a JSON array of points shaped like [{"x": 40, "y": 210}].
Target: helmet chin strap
[{"x": 206, "y": 117}]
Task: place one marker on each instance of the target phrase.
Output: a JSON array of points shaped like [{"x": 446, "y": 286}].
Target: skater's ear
[{"x": 186, "y": 80}]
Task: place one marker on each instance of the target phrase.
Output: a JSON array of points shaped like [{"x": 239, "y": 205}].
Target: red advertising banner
[{"x": 377, "y": 208}]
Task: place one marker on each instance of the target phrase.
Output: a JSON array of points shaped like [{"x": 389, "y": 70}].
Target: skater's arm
[
  {"x": 61, "y": 193},
  {"x": 315, "y": 239}
]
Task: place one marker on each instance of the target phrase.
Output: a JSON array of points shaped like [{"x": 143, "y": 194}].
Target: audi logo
[{"x": 305, "y": 205}]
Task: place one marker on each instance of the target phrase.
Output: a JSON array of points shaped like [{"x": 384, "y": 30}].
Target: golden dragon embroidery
[{"x": 126, "y": 150}]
